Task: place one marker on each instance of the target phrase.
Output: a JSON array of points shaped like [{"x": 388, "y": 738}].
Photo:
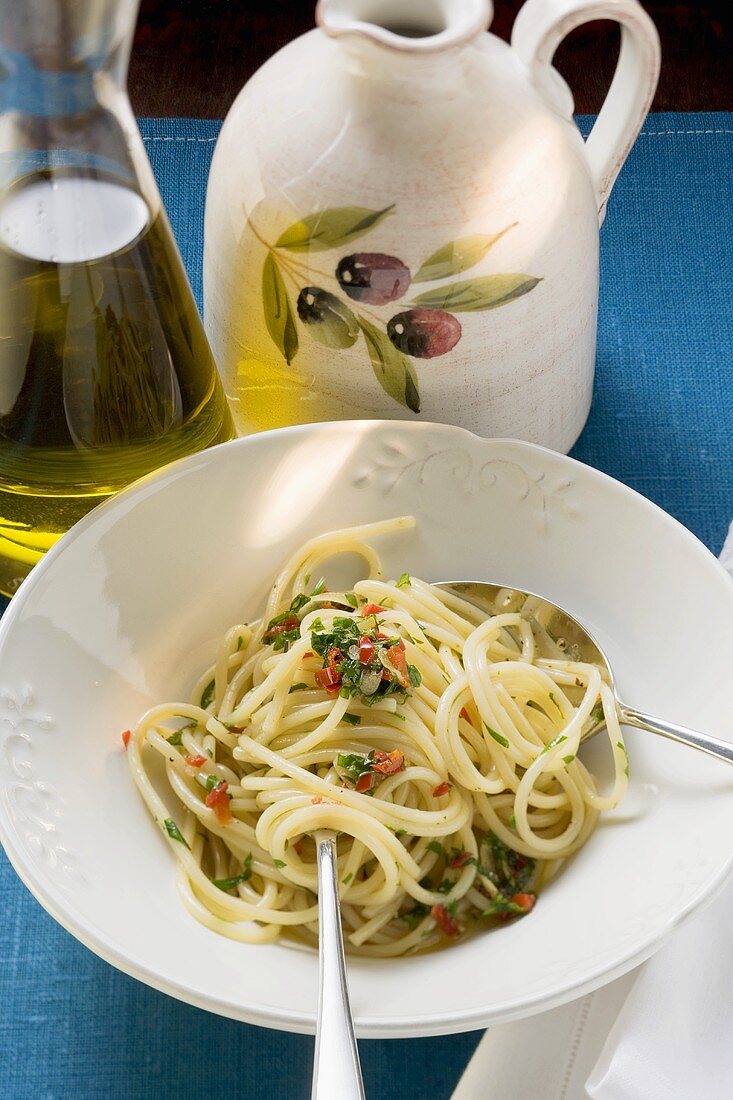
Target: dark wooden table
[{"x": 191, "y": 57}]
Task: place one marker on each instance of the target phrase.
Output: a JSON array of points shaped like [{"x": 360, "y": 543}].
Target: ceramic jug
[{"x": 402, "y": 219}]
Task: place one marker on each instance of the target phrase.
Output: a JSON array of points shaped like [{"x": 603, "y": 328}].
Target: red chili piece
[
  {"x": 290, "y": 623},
  {"x": 218, "y": 801},
  {"x": 524, "y": 901},
  {"x": 366, "y": 650},
  {"x": 371, "y": 609},
  {"x": 461, "y": 860},
  {"x": 388, "y": 763},
  {"x": 196, "y": 761},
  {"x": 442, "y": 789},
  {"x": 327, "y": 678},
  {"x": 365, "y": 782},
  {"x": 448, "y": 924},
  {"x": 127, "y": 734}
]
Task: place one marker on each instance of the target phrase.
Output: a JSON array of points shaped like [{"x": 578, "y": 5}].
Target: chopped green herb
[
  {"x": 436, "y": 846},
  {"x": 400, "y": 832},
  {"x": 347, "y": 880},
  {"x": 369, "y": 672},
  {"x": 446, "y": 886},
  {"x": 414, "y": 675},
  {"x": 568, "y": 759},
  {"x": 352, "y": 719},
  {"x": 230, "y": 883},
  {"x": 320, "y": 587},
  {"x": 597, "y": 712},
  {"x": 174, "y": 832},
  {"x": 298, "y": 687},
  {"x": 507, "y": 869},
  {"x": 414, "y": 916},
  {"x": 502, "y": 906},
  {"x": 211, "y": 782},
  {"x": 240, "y": 643},
  {"x": 279, "y": 863},
  {"x": 207, "y": 695},
  {"x": 552, "y": 744},
  {"x": 351, "y": 599},
  {"x": 552, "y": 696},
  {"x": 512, "y": 822},
  {"x": 404, "y": 581},
  {"x": 620, "y": 745},
  {"x": 175, "y": 738},
  {"x": 497, "y": 736}
]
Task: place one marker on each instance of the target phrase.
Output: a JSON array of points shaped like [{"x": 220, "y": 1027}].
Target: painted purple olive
[
  {"x": 373, "y": 277},
  {"x": 424, "y": 333}
]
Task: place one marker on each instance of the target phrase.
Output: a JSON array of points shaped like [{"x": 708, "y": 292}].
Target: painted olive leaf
[
  {"x": 279, "y": 316},
  {"x": 394, "y": 370},
  {"x": 457, "y": 256},
  {"x": 473, "y": 295},
  {"x": 327, "y": 318},
  {"x": 331, "y": 228}
]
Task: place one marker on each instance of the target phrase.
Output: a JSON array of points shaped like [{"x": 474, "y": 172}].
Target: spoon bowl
[{"x": 559, "y": 634}]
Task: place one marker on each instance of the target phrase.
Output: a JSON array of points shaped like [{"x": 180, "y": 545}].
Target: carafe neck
[{"x": 54, "y": 53}]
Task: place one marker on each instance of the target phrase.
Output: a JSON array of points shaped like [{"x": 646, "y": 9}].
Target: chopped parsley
[
  {"x": 174, "y": 832},
  {"x": 364, "y": 772},
  {"x": 279, "y": 863},
  {"x": 361, "y": 662},
  {"x": 502, "y": 906},
  {"x": 620, "y": 745},
  {"x": 414, "y": 916},
  {"x": 568, "y": 759},
  {"x": 347, "y": 880},
  {"x": 352, "y": 719},
  {"x": 175, "y": 738},
  {"x": 284, "y": 629},
  {"x": 351, "y": 599},
  {"x": 510, "y": 871},
  {"x": 437, "y": 847},
  {"x": 552, "y": 744},
  {"x": 597, "y": 713},
  {"x": 230, "y": 883},
  {"x": 404, "y": 581},
  {"x": 298, "y": 687},
  {"x": 497, "y": 736},
  {"x": 207, "y": 695},
  {"x": 211, "y": 782}
]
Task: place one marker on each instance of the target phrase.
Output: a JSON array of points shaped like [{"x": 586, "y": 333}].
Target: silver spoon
[
  {"x": 336, "y": 1070},
  {"x": 556, "y": 630}
]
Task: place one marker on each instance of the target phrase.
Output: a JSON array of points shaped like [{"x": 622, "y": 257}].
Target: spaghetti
[{"x": 441, "y": 746}]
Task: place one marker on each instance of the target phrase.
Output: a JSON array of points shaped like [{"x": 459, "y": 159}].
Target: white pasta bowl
[{"x": 127, "y": 609}]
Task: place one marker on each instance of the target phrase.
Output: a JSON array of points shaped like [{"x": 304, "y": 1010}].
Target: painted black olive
[
  {"x": 373, "y": 277},
  {"x": 424, "y": 333}
]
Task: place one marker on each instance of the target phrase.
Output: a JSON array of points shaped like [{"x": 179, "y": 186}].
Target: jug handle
[{"x": 538, "y": 30}]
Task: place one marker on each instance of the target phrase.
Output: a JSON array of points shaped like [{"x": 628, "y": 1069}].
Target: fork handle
[
  {"x": 712, "y": 745},
  {"x": 336, "y": 1070}
]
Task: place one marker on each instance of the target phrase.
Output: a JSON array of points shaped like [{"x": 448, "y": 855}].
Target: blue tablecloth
[{"x": 71, "y": 1027}]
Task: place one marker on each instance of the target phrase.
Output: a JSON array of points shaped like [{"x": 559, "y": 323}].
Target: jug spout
[{"x": 410, "y": 26}]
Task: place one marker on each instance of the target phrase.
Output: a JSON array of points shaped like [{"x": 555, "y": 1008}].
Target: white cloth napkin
[{"x": 665, "y": 1030}]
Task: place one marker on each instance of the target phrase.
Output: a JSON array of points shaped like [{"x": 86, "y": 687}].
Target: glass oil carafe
[{"x": 105, "y": 371}]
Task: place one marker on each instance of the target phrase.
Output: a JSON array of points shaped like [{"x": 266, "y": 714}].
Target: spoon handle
[
  {"x": 712, "y": 745},
  {"x": 336, "y": 1070}
]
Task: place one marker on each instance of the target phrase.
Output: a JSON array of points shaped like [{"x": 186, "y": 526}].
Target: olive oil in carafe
[{"x": 105, "y": 371}]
